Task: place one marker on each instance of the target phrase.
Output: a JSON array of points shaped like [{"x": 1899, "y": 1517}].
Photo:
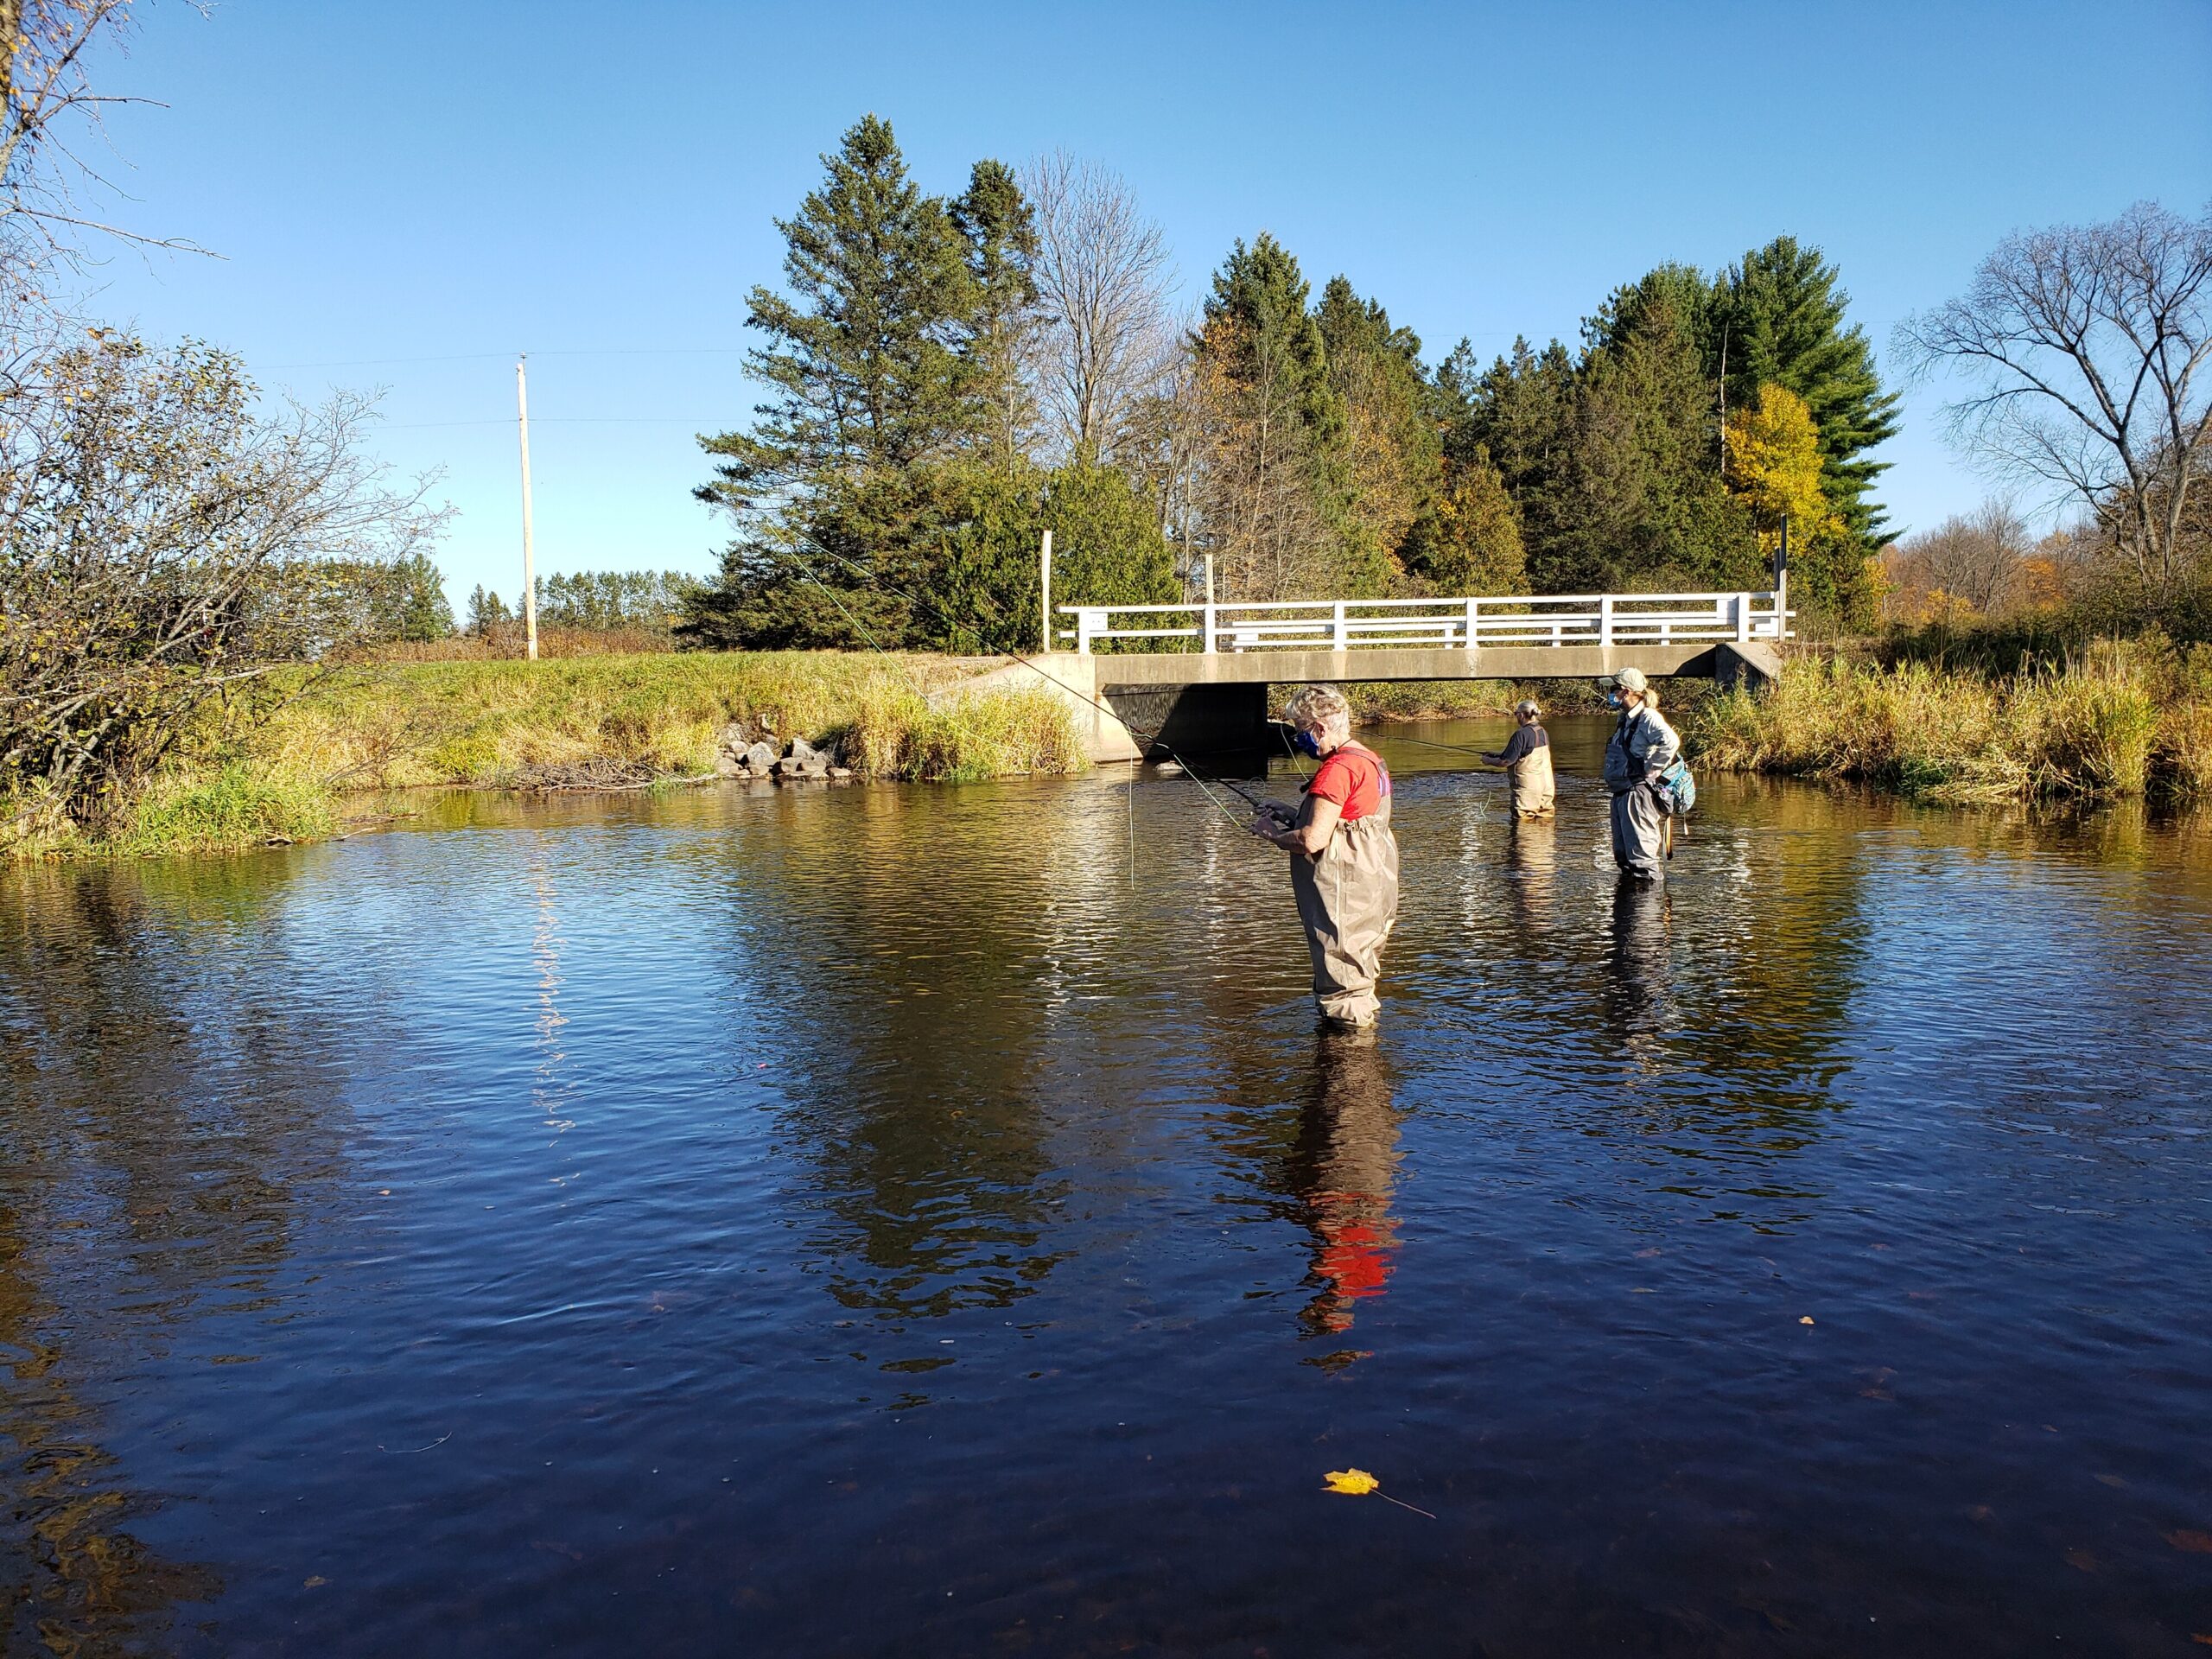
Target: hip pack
[{"x": 1676, "y": 788}]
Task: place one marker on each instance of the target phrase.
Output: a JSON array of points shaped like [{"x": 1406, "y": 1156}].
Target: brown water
[{"x": 894, "y": 1221}]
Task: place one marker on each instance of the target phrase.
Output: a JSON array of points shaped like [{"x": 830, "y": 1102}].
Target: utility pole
[
  {"x": 529, "y": 553},
  {"x": 1045, "y": 566}
]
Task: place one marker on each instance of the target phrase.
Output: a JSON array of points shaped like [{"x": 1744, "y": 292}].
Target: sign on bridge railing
[{"x": 1438, "y": 624}]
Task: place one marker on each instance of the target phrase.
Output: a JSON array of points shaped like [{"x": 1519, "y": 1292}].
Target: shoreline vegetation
[
  {"x": 291, "y": 771},
  {"x": 2115, "y": 720}
]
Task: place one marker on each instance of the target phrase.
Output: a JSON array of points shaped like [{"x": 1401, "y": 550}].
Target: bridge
[{"x": 1196, "y": 675}]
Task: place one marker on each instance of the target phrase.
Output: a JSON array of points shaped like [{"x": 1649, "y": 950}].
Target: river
[{"x": 891, "y": 1220}]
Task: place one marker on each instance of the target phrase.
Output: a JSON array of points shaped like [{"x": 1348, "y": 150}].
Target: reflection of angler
[
  {"x": 1348, "y": 1131},
  {"x": 1641, "y": 922}
]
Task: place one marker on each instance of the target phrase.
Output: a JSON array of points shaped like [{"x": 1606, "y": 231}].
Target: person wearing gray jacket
[{"x": 1644, "y": 746}]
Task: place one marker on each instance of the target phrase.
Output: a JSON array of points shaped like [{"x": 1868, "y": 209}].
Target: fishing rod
[{"x": 1153, "y": 738}]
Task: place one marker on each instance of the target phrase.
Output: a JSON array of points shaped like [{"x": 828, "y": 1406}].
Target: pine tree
[
  {"x": 995, "y": 221},
  {"x": 1387, "y": 466},
  {"x": 1468, "y": 541},
  {"x": 1779, "y": 318},
  {"x": 1256, "y": 327},
  {"x": 830, "y": 487}
]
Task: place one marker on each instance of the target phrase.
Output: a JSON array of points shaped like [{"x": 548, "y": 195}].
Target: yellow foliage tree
[{"x": 1774, "y": 467}]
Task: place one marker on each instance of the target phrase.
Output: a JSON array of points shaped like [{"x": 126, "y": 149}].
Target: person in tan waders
[
  {"x": 1344, "y": 863},
  {"x": 1527, "y": 758}
]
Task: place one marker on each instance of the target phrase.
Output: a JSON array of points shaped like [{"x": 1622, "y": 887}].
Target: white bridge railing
[{"x": 1434, "y": 623}]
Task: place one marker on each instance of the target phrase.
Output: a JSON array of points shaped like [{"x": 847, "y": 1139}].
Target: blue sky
[{"x": 403, "y": 195}]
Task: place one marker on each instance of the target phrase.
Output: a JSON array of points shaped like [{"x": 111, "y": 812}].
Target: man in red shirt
[{"x": 1344, "y": 865}]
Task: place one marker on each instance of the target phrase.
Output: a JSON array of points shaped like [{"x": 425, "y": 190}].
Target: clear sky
[{"x": 405, "y": 194}]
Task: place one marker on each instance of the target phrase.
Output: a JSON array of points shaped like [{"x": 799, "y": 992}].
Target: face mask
[
  {"x": 1306, "y": 743},
  {"x": 1613, "y": 700}
]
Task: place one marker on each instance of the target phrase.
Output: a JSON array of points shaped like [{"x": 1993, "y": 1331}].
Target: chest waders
[
  {"x": 1529, "y": 782},
  {"x": 1348, "y": 900}
]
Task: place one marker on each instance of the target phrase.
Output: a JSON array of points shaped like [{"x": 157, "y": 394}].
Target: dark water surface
[{"x": 877, "y": 1221}]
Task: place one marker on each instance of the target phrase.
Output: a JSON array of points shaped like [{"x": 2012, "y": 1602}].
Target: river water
[{"x": 925, "y": 1221}]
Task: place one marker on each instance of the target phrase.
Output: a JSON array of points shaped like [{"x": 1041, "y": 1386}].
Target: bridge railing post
[
  {"x": 1605, "y": 621},
  {"x": 1474, "y": 617},
  {"x": 1213, "y": 626},
  {"x": 1088, "y": 624},
  {"x": 1743, "y": 617},
  {"x": 1339, "y": 634}
]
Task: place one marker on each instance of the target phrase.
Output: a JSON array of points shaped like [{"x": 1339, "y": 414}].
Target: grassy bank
[
  {"x": 287, "y": 774},
  {"x": 2117, "y": 721}
]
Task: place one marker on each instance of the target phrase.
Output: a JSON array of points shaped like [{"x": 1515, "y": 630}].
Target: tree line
[{"x": 950, "y": 377}]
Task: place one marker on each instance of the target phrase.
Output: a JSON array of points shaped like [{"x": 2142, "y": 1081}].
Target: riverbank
[
  {"x": 2116, "y": 723},
  {"x": 299, "y": 768}
]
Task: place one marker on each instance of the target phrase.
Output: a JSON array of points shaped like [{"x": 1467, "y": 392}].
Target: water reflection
[
  {"x": 1638, "y": 1003},
  {"x": 1343, "y": 1170},
  {"x": 851, "y": 1082},
  {"x": 139, "y": 1200}
]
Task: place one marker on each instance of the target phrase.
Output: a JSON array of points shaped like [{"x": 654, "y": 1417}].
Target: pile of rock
[{"x": 740, "y": 755}]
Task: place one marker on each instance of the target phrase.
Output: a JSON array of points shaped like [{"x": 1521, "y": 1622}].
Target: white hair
[{"x": 1323, "y": 706}]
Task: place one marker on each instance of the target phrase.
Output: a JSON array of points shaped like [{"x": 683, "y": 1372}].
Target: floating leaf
[
  {"x": 1806, "y": 1319},
  {"x": 2196, "y": 1543},
  {"x": 1358, "y": 1483}
]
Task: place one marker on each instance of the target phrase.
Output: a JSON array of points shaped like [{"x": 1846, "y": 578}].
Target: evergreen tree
[
  {"x": 1779, "y": 317},
  {"x": 1521, "y": 414},
  {"x": 1256, "y": 328},
  {"x": 829, "y": 486},
  {"x": 1467, "y": 541},
  {"x": 1648, "y": 489},
  {"x": 1386, "y": 468},
  {"x": 1108, "y": 548},
  {"x": 420, "y": 610},
  {"x": 488, "y": 613},
  {"x": 996, "y": 224}
]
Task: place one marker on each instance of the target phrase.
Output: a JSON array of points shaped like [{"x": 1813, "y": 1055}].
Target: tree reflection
[
  {"x": 165, "y": 1110},
  {"x": 902, "y": 992}
]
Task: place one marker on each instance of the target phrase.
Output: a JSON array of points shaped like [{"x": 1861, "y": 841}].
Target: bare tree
[
  {"x": 49, "y": 116},
  {"x": 1102, "y": 274},
  {"x": 2089, "y": 342},
  {"x": 1972, "y": 560},
  {"x": 163, "y": 545}
]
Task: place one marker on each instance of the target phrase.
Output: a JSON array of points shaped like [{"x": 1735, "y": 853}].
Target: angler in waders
[
  {"x": 1644, "y": 746},
  {"x": 1343, "y": 864},
  {"x": 1527, "y": 758}
]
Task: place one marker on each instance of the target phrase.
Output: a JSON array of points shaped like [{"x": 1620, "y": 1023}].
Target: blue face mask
[
  {"x": 1306, "y": 743},
  {"x": 1612, "y": 699}
]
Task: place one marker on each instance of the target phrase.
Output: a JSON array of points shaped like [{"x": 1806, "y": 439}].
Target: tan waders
[
  {"x": 1348, "y": 899},
  {"x": 1529, "y": 782}
]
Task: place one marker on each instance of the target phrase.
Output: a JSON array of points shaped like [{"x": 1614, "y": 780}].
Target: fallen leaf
[
  {"x": 1356, "y": 1481},
  {"x": 2196, "y": 1543},
  {"x": 2198, "y": 1636},
  {"x": 316, "y": 1580},
  {"x": 2082, "y": 1560},
  {"x": 1805, "y": 1319},
  {"x": 2114, "y": 1482}
]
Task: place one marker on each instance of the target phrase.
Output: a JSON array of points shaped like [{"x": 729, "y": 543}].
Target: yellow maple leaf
[{"x": 1357, "y": 1482}]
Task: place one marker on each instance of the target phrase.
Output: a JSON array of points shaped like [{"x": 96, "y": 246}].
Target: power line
[{"x": 475, "y": 357}]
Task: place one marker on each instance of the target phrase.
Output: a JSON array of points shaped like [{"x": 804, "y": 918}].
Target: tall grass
[
  {"x": 2109, "y": 725},
  {"x": 495, "y": 724}
]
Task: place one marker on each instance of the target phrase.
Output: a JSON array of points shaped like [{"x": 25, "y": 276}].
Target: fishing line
[{"x": 945, "y": 616}]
